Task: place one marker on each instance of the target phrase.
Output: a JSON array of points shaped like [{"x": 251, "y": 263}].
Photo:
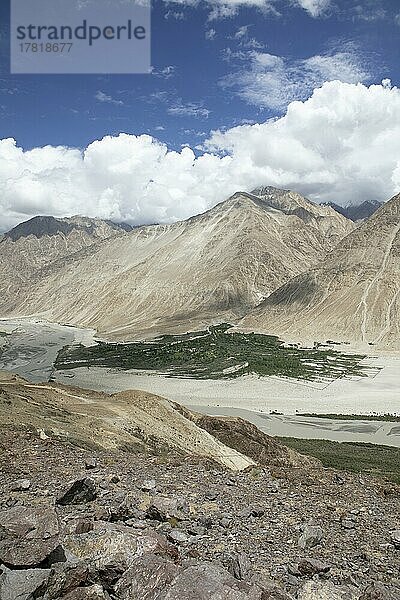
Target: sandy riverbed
[
  {"x": 367, "y": 395},
  {"x": 32, "y": 346}
]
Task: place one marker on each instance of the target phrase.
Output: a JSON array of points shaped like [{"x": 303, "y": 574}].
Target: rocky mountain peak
[
  {"x": 38, "y": 227},
  {"x": 46, "y": 225},
  {"x": 358, "y": 212}
]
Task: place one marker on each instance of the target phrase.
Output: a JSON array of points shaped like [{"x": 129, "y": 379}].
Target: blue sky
[
  {"x": 198, "y": 83},
  {"x": 300, "y": 94}
]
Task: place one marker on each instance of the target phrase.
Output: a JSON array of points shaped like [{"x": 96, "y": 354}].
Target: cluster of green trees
[{"x": 215, "y": 354}]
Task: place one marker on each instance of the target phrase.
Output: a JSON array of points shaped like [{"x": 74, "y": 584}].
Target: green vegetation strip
[
  {"x": 385, "y": 417},
  {"x": 216, "y": 354},
  {"x": 381, "y": 461}
]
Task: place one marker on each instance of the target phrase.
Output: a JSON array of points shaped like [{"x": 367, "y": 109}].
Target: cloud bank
[{"x": 342, "y": 144}]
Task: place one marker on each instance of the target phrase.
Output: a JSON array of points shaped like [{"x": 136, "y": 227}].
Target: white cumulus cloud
[{"x": 341, "y": 144}]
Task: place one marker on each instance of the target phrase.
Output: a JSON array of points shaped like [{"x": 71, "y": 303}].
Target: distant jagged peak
[
  {"x": 357, "y": 212},
  {"x": 47, "y": 225},
  {"x": 38, "y": 227}
]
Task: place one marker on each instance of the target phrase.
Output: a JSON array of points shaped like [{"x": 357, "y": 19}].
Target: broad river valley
[{"x": 277, "y": 406}]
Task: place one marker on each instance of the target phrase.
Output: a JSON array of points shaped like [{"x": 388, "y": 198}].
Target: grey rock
[
  {"x": 206, "y": 581},
  {"x": 27, "y": 535},
  {"x": 90, "y": 463},
  {"x": 211, "y": 494},
  {"x": 64, "y": 578},
  {"x": 311, "y": 566},
  {"x": 251, "y": 511},
  {"x": 348, "y": 524},
  {"x": 84, "y": 526},
  {"x": 239, "y": 565},
  {"x": 93, "y": 592},
  {"x": 114, "y": 544},
  {"x": 148, "y": 485},
  {"x": 293, "y": 569},
  {"x": 176, "y": 536},
  {"x": 316, "y": 590},
  {"x": 22, "y": 485},
  {"x": 269, "y": 589},
  {"x": 311, "y": 536},
  {"x": 395, "y": 538},
  {"x": 147, "y": 577},
  {"x": 19, "y": 585},
  {"x": 163, "y": 509},
  {"x": 378, "y": 591},
  {"x": 225, "y": 522},
  {"x": 81, "y": 491}
]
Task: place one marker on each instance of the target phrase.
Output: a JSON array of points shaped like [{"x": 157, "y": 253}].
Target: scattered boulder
[
  {"x": 93, "y": 592},
  {"x": 378, "y": 591},
  {"x": 251, "y": 511},
  {"x": 22, "y": 485},
  {"x": 206, "y": 581},
  {"x": 62, "y": 579},
  {"x": 395, "y": 538},
  {"x": 81, "y": 491},
  {"x": 106, "y": 544},
  {"x": 317, "y": 590},
  {"x": 149, "y": 485},
  {"x": 90, "y": 463},
  {"x": 176, "y": 536},
  {"x": 311, "y": 536},
  {"x": 84, "y": 526},
  {"x": 113, "y": 544},
  {"x": 239, "y": 565},
  {"x": 163, "y": 509},
  {"x": 27, "y": 535},
  {"x": 269, "y": 589},
  {"x": 148, "y": 575},
  {"x": 311, "y": 566}
]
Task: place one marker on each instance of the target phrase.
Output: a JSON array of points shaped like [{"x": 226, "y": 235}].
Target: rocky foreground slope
[
  {"x": 352, "y": 295},
  {"x": 210, "y": 268},
  {"x": 82, "y": 518}
]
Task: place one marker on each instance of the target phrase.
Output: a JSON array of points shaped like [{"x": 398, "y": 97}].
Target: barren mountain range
[
  {"x": 269, "y": 260},
  {"x": 212, "y": 267}
]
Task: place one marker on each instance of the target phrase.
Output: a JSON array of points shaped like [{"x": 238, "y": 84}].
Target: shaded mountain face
[
  {"x": 352, "y": 295},
  {"x": 357, "y": 213},
  {"x": 161, "y": 278},
  {"x": 48, "y": 226}
]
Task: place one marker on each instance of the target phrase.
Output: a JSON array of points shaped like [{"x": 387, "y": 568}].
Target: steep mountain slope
[
  {"x": 357, "y": 213},
  {"x": 354, "y": 294},
  {"x": 36, "y": 243},
  {"x": 161, "y": 278}
]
